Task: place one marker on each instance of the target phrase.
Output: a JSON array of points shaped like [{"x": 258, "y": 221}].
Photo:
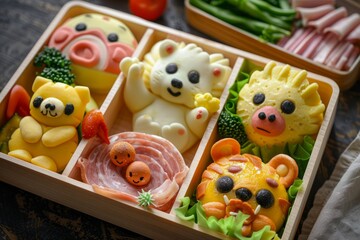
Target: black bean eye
[
  {"x": 259, "y": 98},
  {"x": 69, "y": 109},
  {"x": 113, "y": 37},
  {"x": 141, "y": 178},
  {"x": 171, "y": 68},
  {"x": 243, "y": 194},
  {"x": 80, "y": 27},
  {"x": 130, "y": 173},
  {"x": 287, "y": 106},
  {"x": 194, "y": 76},
  {"x": 265, "y": 198},
  {"x": 37, "y": 101},
  {"x": 224, "y": 184}
]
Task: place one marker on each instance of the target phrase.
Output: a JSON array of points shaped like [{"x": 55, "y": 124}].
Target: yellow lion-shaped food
[
  {"x": 174, "y": 91},
  {"x": 236, "y": 182},
  {"x": 280, "y": 106},
  {"x": 48, "y": 137}
]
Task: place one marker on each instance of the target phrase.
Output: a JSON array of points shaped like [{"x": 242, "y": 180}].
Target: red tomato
[{"x": 147, "y": 9}]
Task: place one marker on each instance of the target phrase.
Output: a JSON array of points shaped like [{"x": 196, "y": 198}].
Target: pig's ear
[{"x": 167, "y": 47}]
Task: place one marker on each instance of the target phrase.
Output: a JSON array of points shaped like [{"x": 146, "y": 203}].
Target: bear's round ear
[
  {"x": 38, "y": 82},
  {"x": 167, "y": 47},
  {"x": 286, "y": 167},
  {"x": 84, "y": 93},
  {"x": 225, "y": 147}
]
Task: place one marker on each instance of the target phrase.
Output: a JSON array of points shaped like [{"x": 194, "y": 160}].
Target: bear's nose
[
  {"x": 51, "y": 106},
  {"x": 176, "y": 83}
]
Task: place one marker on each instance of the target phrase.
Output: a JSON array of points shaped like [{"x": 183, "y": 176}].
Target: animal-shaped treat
[
  {"x": 279, "y": 105},
  {"x": 236, "y": 182},
  {"x": 94, "y": 41},
  {"x": 174, "y": 92},
  {"x": 48, "y": 137}
]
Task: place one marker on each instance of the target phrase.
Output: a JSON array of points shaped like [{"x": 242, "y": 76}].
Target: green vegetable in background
[
  {"x": 56, "y": 66},
  {"x": 254, "y": 16},
  {"x": 251, "y": 8}
]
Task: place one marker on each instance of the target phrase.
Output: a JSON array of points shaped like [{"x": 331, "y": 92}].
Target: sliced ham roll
[
  {"x": 344, "y": 26},
  {"x": 309, "y": 14},
  {"x": 329, "y": 19},
  {"x": 168, "y": 169},
  {"x": 310, "y": 3},
  {"x": 354, "y": 36}
]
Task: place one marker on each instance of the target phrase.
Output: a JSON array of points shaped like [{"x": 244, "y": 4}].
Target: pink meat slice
[
  {"x": 168, "y": 169},
  {"x": 310, "y": 3},
  {"x": 354, "y": 36},
  {"x": 344, "y": 26},
  {"x": 308, "y": 14},
  {"x": 329, "y": 19},
  {"x": 353, "y": 57},
  {"x": 314, "y": 44}
]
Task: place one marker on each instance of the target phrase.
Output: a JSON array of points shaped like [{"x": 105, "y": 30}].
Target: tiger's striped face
[{"x": 244, "y": 183}]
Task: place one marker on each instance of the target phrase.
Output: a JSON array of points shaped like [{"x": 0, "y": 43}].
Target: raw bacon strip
[
  {"x": 310, "y": 3},
  {"x": 353, "y": 57},
  {"x": 325, "y": 48},
  {"x": 305, "y": 42},
  {"x": 293, "y": 38},
  {"x": 354, "y": 36},
  {"x": 299, "y": 39},
  {"x": 345, "y": 57},
  {"x": 309, "y": 14},
  {"x": 329, "y": 19},
  {"x": 336, "y": 54},
  {"x": 313, "y": 46},
  {"x": 344, "y": 26},
  {"x": 166, "y": 163}
]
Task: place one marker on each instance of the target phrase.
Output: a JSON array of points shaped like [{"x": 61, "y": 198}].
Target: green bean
[{"x": 253, "y": 26}]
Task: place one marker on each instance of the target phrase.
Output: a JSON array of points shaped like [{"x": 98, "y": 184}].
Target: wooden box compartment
[
  {"x": 241, "y": 39},
  {"x": 67, "y": 188}
]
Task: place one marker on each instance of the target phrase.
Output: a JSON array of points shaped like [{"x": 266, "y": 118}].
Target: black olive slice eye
[
  {"x": 194, "y": 76},
  {"x": 37, "y": 101},
  {"x": 113, "y": 37},
  {"x": 259, "y": 98},
  {"x": 224, "y": 184},
  {"x": 244, "y": 194},
  {"x": 171, "y": 68},
  {"x": 287, "y": 106},
  {"x": 265, "y": 198},
  {"x": 69, "y": 109},
  {"x": 80, "y": 27}
]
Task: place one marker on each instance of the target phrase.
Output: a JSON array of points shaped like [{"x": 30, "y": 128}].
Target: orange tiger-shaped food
[{"x": 236, "y": 182}]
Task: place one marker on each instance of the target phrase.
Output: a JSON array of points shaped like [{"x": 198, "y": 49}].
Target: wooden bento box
[
  {"x": 241, "y": 39},
  {"x": 66, "y": 188}
]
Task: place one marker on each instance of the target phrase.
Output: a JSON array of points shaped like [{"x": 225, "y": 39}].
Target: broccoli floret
[
  {"x": 58, "y": 75},
  {"x": 51, "y": 57},
  {"x": 55, "y": 66},
  {"x": 230, "y": 126}
]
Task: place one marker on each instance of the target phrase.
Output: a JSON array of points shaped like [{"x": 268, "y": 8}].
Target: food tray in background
[
  {"x": 66, "y": 188},
  {"x": 238, "y": 38}
]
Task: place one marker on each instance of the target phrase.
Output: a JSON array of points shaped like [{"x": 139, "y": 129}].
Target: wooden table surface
[{"x": 24, "y": 215}]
